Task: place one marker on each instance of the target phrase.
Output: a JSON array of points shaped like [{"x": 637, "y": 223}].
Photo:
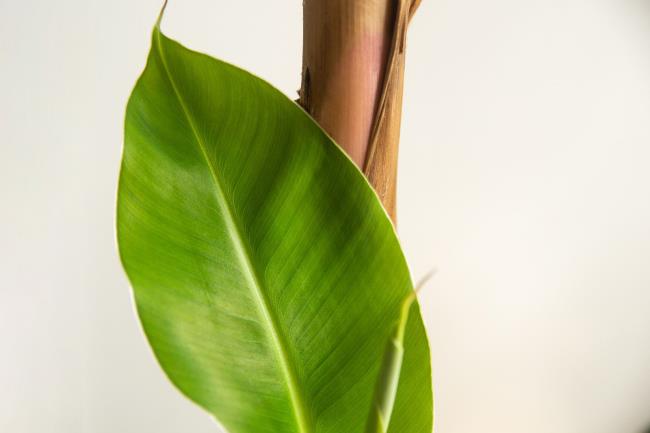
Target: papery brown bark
[{"x": 352, "y": 80}]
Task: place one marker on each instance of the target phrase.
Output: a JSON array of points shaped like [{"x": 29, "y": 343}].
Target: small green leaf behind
[
  {"x": 266, "y": 274},
  {"x": 391, "y": 368}
]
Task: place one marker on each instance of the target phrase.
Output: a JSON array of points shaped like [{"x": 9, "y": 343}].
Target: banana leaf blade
[{"x": 265, "y": 272}]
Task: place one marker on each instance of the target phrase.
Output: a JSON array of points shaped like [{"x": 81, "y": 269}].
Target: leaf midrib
[{"x": 244, "y": 255}]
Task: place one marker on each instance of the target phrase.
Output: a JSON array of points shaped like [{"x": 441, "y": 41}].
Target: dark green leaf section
[{"x": 266, "y": 274}]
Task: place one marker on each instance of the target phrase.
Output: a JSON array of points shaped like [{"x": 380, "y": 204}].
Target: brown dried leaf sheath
[{"x": 353, "y": 74}]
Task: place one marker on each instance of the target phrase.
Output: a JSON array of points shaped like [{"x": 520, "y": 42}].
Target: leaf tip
[
  {"x": 160, "y": 15},
  {"x": 408, "y": 301},
  {"x": 424, "y": 280}
]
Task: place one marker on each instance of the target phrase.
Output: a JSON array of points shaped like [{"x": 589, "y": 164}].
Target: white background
[{"x": 524, "y": 178}]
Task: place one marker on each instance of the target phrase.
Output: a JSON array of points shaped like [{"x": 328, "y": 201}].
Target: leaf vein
[{"x": 244, "y": 255}]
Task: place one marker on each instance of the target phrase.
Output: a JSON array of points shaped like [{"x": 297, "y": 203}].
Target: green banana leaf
[{"x": 266, "y": 274}]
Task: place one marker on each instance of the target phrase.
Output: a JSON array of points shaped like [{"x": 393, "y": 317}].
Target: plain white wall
[{"x": 524, "y": 178}]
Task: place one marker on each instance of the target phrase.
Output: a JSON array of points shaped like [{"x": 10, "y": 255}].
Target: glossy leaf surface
[{"x": 266, "y": 274}]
